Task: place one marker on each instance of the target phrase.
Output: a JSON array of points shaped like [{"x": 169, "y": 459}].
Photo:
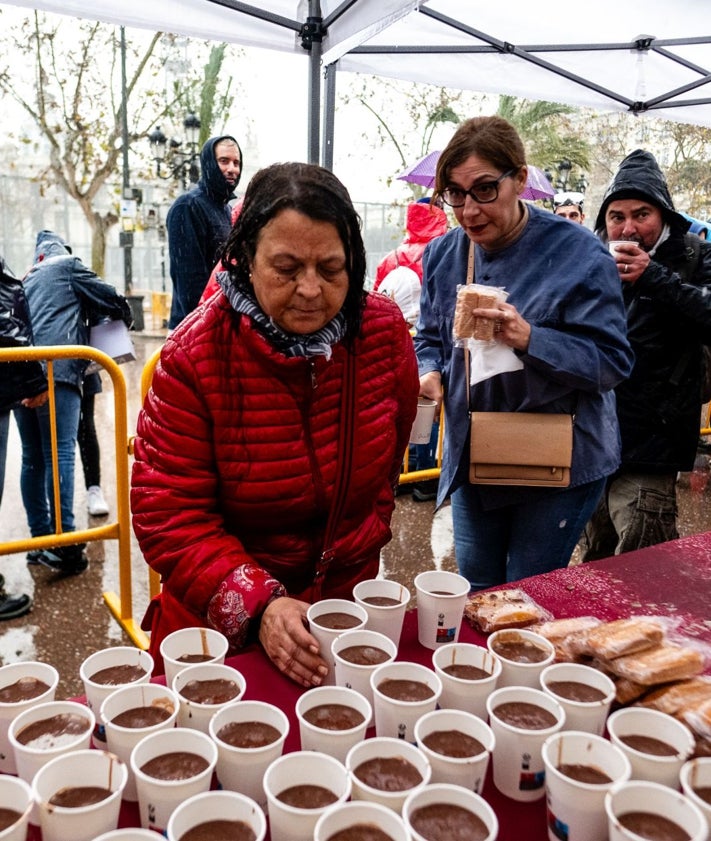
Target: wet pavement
[{"x": 69, "y": 619}]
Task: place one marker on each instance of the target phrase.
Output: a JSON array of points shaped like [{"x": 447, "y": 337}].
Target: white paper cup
[
  {"x": 575, "y": 810},
  {"x": 157, "y": 799},
  {"x": 130, "y": 834},
  {"x": 385, "y": 619},
  {"x": 78, "y": 769},
  {"x": 460, "y": 693},
  {"x": 614, "y": 244},
  {"x": 696, "y": 774},
  {"x": 242, "y": 769},
  {"x": 655, "y": 799},
  {"x": 194, "y": 714},
  {"x": 466, "y": 771},
  {"x": 16, "y": 794},
  {"x": 513, "y": 672},
  {"x": 450, "y": 795},
  {"x": 397, "y": 718},
  {"x": 354, "y": 675},
  {"x": 360, "y": 813},
  {"x": 9, "y": 675},
  {"x": 122, "y": 740},
  {"x": 640, "y": 721},
  {"x": 191, "y": 642},
  {"x": 96, "y": 692},
  {"x": 589, "y": 716},
  {"x": 439, "y": 617},
  {"x": 421, "y": 431},
  {"x": 217, "y": 806},
  {"x": 383, "y": 747},
  {"x": 325, "y": 636},
  {"x": 31, "y": 757},
  {"x": 291, "y": 823},
  {"x": 335, "y": 743},
  {"x": 519, "y": 771}
]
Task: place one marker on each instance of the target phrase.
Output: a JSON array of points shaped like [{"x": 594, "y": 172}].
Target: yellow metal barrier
[{"x": 706, "y": 428}]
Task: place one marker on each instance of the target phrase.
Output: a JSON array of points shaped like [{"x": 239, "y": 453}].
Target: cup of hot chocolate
[
  {"x": 78, "y": 795},
  {"x": 402, "y": 692},
  {"x": 203, "y": 690},
  {"x": 584, "y": 693},
  {"x": 521, "y": 719},
  {"x": 47, "y": 731},
  {"x": 16, "y": 802},
  {"x": 332, "y": 719},
  {"x": 218, "y": 814},
  {"x": 188, "y": 646},
  {"x": 442, "y": 811},
  {"x": 249, "y": 736},
  {"x": 523, "y": 655},
  {"x": 22, "y": 685},
  {"x": 328, "y": 619},
  {"x": 642, "y": 809},
  {"x": 385, "y": 602},
  {"x": 169, "y": 766},
  {"x": 357, "y": 654},
  {"x": 580, "y": 769},
  {"x": 695, "y": 779},
  {"x": 458, "y": 745},
  {"x": 363, "y": 819},
  {"x": 656, "y": 744},
  {"x": 300, "y": 787},
  {"x": 385, "y": 770},
  {"x": 132, "y": 712},
  {"x": 469, "y": 674},
  {"x": 441, "y": 597}
]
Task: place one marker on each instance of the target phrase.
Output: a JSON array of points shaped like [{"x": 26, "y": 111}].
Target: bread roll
[
  {"x": 661, "y": 664},
  {"x": 610, "y": 640}
]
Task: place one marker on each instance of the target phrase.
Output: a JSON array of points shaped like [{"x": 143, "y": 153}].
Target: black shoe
[
  {"x": 66, "y": 560},
  {"x": 11, "y": 607},
  {"x": 33, "y": 556},
  {"x": 425, "y": 491}
]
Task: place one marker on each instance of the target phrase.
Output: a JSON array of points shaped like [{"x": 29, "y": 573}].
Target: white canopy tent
[{"x": 640, "y": 56}]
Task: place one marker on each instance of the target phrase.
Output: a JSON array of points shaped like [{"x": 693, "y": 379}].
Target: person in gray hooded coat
[{"x": 666, "y": 284}]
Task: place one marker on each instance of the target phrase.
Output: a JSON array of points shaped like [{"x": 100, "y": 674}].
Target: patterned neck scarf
[{"x": 319, "y": 343}]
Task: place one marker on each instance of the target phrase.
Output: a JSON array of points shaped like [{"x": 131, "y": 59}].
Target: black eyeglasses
[{"x": 483, "y": 193}]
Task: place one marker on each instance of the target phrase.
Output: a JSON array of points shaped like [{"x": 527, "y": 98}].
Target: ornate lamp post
[{"x": 182, "y": 163}]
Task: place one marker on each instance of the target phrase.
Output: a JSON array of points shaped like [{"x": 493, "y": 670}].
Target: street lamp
[{"x": 182, "y": 164}]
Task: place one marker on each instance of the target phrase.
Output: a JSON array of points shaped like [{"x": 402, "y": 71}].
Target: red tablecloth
[{"x": 672, "y": 579}]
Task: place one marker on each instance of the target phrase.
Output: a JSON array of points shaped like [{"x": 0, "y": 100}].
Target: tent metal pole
[
  {"x": 315, "y": 50},
  {"x": 329, "y": 113}
]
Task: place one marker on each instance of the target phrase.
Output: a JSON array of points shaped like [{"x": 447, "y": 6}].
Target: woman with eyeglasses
[{"x": 565, "y": 322}]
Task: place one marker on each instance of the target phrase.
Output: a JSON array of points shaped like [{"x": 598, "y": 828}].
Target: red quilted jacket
[{"x": 235, "y": 464}]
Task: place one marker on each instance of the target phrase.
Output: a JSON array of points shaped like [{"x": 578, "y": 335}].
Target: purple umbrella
[{"x": 423, "y": 173}]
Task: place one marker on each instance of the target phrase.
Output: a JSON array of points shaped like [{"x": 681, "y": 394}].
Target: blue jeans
[
  {"x": 525, "y": 538},
  {"x": 4, "y": 430},
  {"x": 36, "y": 483}
]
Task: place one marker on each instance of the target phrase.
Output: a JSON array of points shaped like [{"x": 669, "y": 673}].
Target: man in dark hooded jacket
[
  {"x": 199, "y": 222},
  {"x": 666, "y": 283}
]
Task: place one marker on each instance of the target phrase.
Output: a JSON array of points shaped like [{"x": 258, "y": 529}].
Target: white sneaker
[{"x": 95, "y": 503}]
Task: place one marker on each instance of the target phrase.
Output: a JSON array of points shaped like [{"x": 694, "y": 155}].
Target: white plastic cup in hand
[
  {"x": 449, "y": 795},
  {"x": 386, "y": 748},
  {"x": 441, "y": 597},
  {"x": 655, "y": 800},
  {"x": 325, "y": 636},
  {"x": 217, "y": 806},
  {"x": 37, "y": 752},
  {"x": 16, "y": 796},
  {"x": 694, "y": 776},
  {"x": 13, "y": 677},
  {"x": 157, "y": 798},
  {"x": 396, "y": 717},
  {"x": 311, "y": 768},
  {"x": 575, "y": 808},
  {"x": 195, "y": 714},
  {"x": 640, "y": 721},
  {"x": 334, "y": 742},
  {"x": 589, "y": 716},
  {"x": 467, "y": 771},
  {"x": 357, "y": 675},
  {"x": 458, "y": 691},
  {"x": 526, "y": 671},
  {"x": 79, "y": 769},
  {"x": 241, "y": 768},
  {"x": 384, "y": 618},
  {"x": 360, "y": 813},
  {"x": 519, "y": 771},
  {"x": 421, "y": 431},
  {"x": 614, "y": 244},
  {"x": 190, "y": 644},
  {"x": 120, "y": 739}
]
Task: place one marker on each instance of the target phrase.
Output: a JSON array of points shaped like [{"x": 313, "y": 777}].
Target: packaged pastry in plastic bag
[
  {"x": 471, "y": 297},
  {"x": 493, "y": 610}
]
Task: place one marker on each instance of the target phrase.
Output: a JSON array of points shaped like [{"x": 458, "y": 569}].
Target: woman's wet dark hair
[{"x": 318, "y": 194}]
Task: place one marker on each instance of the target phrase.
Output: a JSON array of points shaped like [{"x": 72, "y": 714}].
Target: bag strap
[{"x": 470, "y": 279}]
